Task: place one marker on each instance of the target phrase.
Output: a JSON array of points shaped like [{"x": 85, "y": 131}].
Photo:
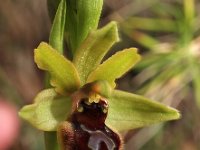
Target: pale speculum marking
[{"x": 97, "y": 137}]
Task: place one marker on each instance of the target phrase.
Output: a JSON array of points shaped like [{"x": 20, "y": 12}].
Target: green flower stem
[
  {"x": 51, "y": 140},
  {"x": 50, "y": 137}
]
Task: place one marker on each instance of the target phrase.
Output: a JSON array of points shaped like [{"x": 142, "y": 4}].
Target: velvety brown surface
[{"x": 86, "y": 130}]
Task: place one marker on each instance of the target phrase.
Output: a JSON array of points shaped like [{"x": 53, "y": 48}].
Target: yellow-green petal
[
  {"x": 47, "y": 111},
  {"x": 115, "y": 66},
  {"x": 129, "y": 111},
  {"x": 94, "y": 48},
  {"x": 64, "y": 76}
]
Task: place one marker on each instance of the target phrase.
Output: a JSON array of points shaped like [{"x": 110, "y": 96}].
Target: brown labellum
[{"x": 86, "y": 129}]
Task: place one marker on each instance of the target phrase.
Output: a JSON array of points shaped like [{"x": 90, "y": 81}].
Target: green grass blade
[{"x": 151, "y": 24}]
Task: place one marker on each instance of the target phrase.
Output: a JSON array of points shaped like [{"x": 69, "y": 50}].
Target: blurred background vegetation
[{"x": 167, "y": 35}]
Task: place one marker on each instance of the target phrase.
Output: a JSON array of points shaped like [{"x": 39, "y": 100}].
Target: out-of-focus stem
[
  {"x": 51, "y": 140},
  {"x": 189, "y": 9}
]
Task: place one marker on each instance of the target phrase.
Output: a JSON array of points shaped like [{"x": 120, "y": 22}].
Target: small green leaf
[
  {"x": 57, "y": 30},
  {"x": 64, "y": 76},
  {"x": 115, "y": 66},
  {"x": 94, "y": 48},
  {"x": 48, "y": 110},
  {"x": 82, "y": 17},
  {"x": 88, "y": 17},
  {"x": 71, "y": 24},
  {"x": 128, "y": 111}
]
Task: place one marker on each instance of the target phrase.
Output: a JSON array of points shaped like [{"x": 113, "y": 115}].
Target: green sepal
[
  {"x": 114, "y": 67},
  {"x": 47, "y": 111},
  {"x": 58, "y": 28},
  {"x": 94, "y": 48},
  {"x": 64, "y": 76},
  {"x": 129, "y": 111}
]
